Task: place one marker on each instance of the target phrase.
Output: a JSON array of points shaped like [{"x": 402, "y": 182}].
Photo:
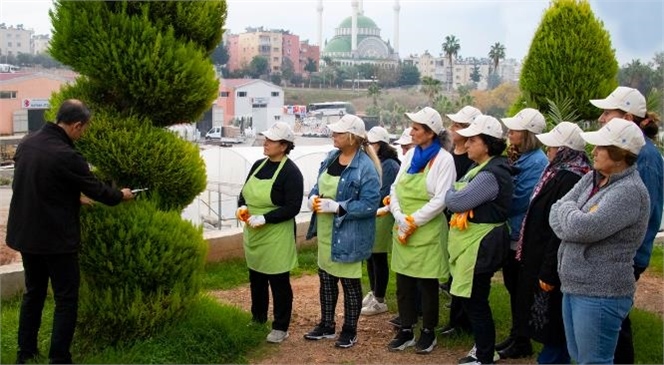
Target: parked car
[{"x": 213, "y": 133}]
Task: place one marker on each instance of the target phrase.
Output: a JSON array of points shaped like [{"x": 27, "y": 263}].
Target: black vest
[{"x": 496, "y": 211}]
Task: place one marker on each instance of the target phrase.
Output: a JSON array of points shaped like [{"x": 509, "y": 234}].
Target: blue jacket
[
  {"x": 651, "y": 169},
  {"x": 358, "y": 193},
  {"x": 527, "y": 171}
]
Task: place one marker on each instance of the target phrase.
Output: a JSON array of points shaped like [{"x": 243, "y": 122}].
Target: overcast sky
[{"x": 636, "y": 26}]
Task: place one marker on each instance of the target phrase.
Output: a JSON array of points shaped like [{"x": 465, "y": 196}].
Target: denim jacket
[
  {"x": 358, "y": 194},
  {"x": 526, "y": 173},
  {"x": 650, "y": 166}
]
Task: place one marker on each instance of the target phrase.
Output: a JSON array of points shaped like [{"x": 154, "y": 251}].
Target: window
[
  {"x": 8, "y": 94},
  {"x": 18, "y": 44},
  {"x": 9, "y": 44},
  {"x": 223, "y": 94},
  {"x": 277, "y": 117},
  {"x": 275, "y": 93},
  {"x": 241, "y": 94}
]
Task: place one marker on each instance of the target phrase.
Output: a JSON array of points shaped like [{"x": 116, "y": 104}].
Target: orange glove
[
  {"x": 546, "y": 287},
  {"x": 460, "y": 220},
  {"x": 242, "y": 213},
  {"x": 386, "y": 200}
]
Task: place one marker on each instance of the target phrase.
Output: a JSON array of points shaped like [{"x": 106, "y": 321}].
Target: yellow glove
[
  {"x": 242, "y": 213},
  {"x": 386, "y": 200}
]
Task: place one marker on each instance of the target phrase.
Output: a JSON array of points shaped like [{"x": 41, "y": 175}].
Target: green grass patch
[
  {"x": 657, "y": 261},
  {"x": 647, "y": 329}
]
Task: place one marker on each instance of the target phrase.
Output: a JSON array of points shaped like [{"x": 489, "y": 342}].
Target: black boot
[
  {"x": 505, "y": 344},
  {"x": 520, "y": 348}
]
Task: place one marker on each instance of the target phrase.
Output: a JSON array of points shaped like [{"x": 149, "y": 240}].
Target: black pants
[
  {"x": 63, "y": 271},
  {"x": 458, "y": 318},
  {"x": 282, "y": 295},
  {"x": 379, "y": 273},
  {"x": 329, "y": 294},
  {"x": 519, "y": 330},
  {"x": 479, "y": 312},
  {"x": 407, "y": 294},
  {"x": 624, "y": 353}
]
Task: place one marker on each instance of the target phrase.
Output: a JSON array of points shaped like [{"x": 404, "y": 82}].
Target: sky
[{"x": 636, "y": 27}]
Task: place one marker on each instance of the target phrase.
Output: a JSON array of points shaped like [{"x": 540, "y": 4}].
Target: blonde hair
[
  {"x": 530, "y": 142},
  {"x": 363, "y": 144}
]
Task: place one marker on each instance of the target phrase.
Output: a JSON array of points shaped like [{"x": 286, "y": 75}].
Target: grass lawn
[{"x": 209, "y": 325}]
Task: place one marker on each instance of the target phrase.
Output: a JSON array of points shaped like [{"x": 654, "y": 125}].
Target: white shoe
[
  {"x": 277, "y": 336},
  {"x": 367, "y": 299},
  {"x": 473, "y": 352},
  {"x": 374, "y": 307}
]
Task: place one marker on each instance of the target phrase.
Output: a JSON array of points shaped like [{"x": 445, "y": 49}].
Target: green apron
[
  {"x": 327, "y": 187},
  {"x": 269, "y": 249},
  {"x": 425, "y": 253},
  {"x": 383, "y": 239},
  {"x": 464, "y": 245}
]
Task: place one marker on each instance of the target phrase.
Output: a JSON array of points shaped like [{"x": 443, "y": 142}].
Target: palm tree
[
  {"x": 451, "y": 49},
  {"x": 374, "y": 92},
  {"x": 431, "y": 87},
  {"x": 496, "y": 54}
]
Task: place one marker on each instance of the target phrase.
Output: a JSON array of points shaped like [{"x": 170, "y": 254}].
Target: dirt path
[{"x": 374, "y": 332}]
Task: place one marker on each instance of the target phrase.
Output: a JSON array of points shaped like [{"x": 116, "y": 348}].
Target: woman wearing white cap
[
  {"x": 268, "y": 203},
  {"x": 344, "y": 201},
  {"x": 479, "y": 235},
  {"x": 629, "y": 104},
  {"x": 537, "y": 248},
  {"x": 405, "y": 141},
  {"x": 418, "y": 254},
  {"x": 377, "y": 267},
  {"x": 601, "y": 222},
  {"x": 528, "y": 161}
]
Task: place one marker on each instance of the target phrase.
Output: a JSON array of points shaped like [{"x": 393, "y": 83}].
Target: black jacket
[{"x": 49, "y": 177}]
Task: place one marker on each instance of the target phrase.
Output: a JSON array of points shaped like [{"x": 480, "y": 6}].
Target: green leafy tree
[
  {"x": 571, "y": 56},
  {"x": 259, "y": 66},
  {"x": 638, "y": 75},
  {"x": 374, "y": 92},
  {"x": 496, "y": 54},
  {"x": 475, "y": 74},
  {"x": 451, "y": 48},
  {"x": 220, "y": 54},
  {"x": 143, "y": 66},
  {"x": 287, "y": 69},
  {"x": 431, "y": 88},
  {"x": 408, "y": 75}
]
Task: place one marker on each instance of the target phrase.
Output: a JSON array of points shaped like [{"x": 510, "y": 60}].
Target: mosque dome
[{"x": 362, "y": 22}]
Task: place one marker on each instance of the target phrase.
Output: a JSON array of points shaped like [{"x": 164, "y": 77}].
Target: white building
[
  {"x": 259, "y": 100},
  {"x": 15, "y": 40}
]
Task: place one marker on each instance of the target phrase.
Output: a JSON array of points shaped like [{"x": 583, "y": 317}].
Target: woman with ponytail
[{"x": 344, "y": 202}]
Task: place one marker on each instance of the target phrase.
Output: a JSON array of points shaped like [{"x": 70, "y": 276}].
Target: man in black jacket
[{"x": 44, "y": 225}]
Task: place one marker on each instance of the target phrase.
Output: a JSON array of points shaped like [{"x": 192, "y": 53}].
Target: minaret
[
  {"x": 319, "y": 9},
  {"x": 353, "y": 31},
  {"x": 361, "y": 11},
  {"x": 397, "y": 7}
]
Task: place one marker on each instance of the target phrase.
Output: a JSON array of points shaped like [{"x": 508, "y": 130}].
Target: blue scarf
[{"x": 421, "y": 157}]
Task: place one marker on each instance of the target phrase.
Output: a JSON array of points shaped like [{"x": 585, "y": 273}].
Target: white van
[{"x": 213, "y": 133}]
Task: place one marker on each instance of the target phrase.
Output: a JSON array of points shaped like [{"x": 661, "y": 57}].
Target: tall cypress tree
[
  {"x": 143, "y": 65},
  {"x": 570, "y": 57}
]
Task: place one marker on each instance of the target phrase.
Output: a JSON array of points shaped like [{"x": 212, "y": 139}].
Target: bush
[
  {"x": 570, "y": 57},
  {"x": 140, "y": 268}
]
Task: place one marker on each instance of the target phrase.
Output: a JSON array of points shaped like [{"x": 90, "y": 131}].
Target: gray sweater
[{"x": 600, "y": 234}]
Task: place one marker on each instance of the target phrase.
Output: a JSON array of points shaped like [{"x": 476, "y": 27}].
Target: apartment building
[{"x": 15, "y": 40}]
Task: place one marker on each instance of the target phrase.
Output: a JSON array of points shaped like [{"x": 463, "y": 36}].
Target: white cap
[
  {"x": 483, "y": 124},
  {"x": 465, "y": 115},
  {"x": 279, "y": 131},
  {"x": 429, "y": 117},
  {"x": 528, "y": 119},
  {"x": 624, "y": 98},
  {"x": 378, "y": 134},
  {"x": 618, "y": 132},
  {"x": 405, "y": 138},
  {"x": 564, "y": 134},
  {"x": 349, "y": 123}
]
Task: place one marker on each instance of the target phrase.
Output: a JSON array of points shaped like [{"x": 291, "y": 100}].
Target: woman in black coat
[{"x": 537, "y": 249}]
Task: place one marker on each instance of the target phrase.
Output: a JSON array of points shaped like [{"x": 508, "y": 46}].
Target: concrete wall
[{"x": 223, "y": 245}]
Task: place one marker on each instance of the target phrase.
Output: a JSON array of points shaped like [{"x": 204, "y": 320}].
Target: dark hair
[
  {"x": 619, "y": 154},
  {"x": 289, "y": 146},
  {"x": 385, "y": 151},
  {"x": 443, "y": 137},
  {"x": 649, "y": 124},
  {"x": 73, "y": 111},
  {"x": 495, "y": 146}
]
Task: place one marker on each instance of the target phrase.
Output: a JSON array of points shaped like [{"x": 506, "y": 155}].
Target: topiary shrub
[
  {"x": 140, "y": 266},
  {"x": 570, "y": 57}
]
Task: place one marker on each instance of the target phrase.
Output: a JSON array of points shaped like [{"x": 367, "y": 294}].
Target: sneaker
[
  {"x": 426, "y": 342},
  {"x": 469, "y": 360},
  {"x": 448, "y": 330},
  {"x": 396, "y": 322},
  {"x": 473, "y": 352},
  {"x": 368, "y": 298},
  {"x": 374, "y": 307},
  {"x": 277, "y": 336},
  {"x": 346, "y": 340},
  {"x": 403, "y": 340},
  {"x": 320, "y": 332}
]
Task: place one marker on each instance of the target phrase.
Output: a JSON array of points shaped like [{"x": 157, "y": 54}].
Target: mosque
[{"x": 357, "y": 39}]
